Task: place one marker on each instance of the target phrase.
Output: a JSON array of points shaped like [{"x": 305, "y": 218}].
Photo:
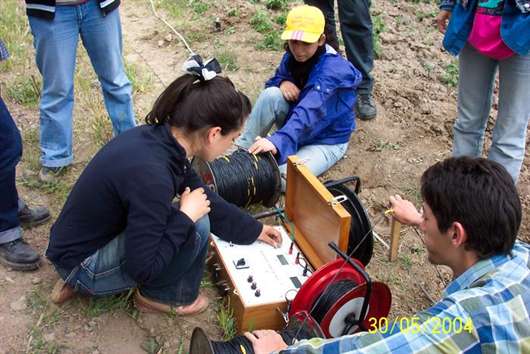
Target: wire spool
[
  {"x": 242, "y": 178},
  {"x": 361, "y": 238},
  {"x": 334, "y": 295}
]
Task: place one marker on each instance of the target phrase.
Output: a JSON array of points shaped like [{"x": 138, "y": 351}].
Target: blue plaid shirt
[
  {"x": 492, "y": 298},
  {"x": 4, "y": 54}
]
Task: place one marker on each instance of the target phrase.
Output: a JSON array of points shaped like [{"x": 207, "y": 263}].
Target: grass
[
  {"x": 151, "y": 345},
  {"x": 406, "y": 262},
  {"x": 100, "y": 305},
  {"x": 140, "y": 80},
  {"x": 198, "y": 6},
  {"x": 25, "y": 91},
  {"x": 225, "y": 318},
  {"x": 227, "y": 59},
  {"x": 450, "y": 76},
  {"x": 15, "y": 33},
  {"x": 271, "y": 41},
  {"x": 260, "y": 22},
  {"x": 276, "y": 4},
  {"x": 378, "y": 28},
  {"x": 38, "y": 304}
]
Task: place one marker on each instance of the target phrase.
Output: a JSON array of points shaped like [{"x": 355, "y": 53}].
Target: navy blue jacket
[
  {"x": 323, "y": 113},
  {"x": 129, "y": 187},
  {"x": 515, "y": 25}
]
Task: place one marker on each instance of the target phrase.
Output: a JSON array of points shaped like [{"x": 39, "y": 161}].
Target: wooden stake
[{"x": 395, "y": 233}]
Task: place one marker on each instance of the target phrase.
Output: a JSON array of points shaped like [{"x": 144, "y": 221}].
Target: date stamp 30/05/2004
[{"x": 412, "y": 325}]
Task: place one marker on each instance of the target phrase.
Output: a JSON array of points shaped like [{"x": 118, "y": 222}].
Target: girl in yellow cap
[{"x": 310, "y": 98}]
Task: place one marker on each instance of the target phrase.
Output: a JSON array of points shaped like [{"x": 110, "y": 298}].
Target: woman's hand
[
  {"x": 265, "y": 341},
  {"x": 194, "y": 204},
  {"x": 262, "y": 145},
  {"x": 404, "y": 211},
  {"x": 441, "y": 20},
  {"x": 271, "y": 236},
  {"x": 289, "y": 91}
]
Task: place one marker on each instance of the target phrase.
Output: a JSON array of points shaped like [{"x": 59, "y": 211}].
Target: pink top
[{"x": 485, "y": 35}]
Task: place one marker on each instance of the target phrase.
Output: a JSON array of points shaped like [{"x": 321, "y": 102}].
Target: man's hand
[
  {"x": 194, "y": 204},
  {"x": 289, "y": 91},
  {"x": 265, "y": 341},
  {"x": 271, "y": 236},
  {"x": 404, "y": 211},
  {"x": 262, "y": 145},
  {"x": 441, "y": 20}
]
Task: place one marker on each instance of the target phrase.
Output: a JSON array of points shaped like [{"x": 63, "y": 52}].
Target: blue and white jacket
[
  {"x": 515, "y": 25},
  {"x": 324, "y": 112}
]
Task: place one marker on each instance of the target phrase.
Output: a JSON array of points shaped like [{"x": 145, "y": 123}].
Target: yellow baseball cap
[{"x": 304, "y": 23}]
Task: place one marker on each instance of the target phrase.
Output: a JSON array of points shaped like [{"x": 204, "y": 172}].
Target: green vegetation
[
  {"x": 378, "y": 28},
  {"x": 450, "y": 76},
  {"x": 260, "y": 22}
]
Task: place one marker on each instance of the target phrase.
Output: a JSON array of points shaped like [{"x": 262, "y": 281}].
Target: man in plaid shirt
[{"x": 471, "y": 216}]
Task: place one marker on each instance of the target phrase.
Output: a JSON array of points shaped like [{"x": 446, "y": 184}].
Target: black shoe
[
  {"x": 365, "y": 107},
  {"x": 34, "y": 216},
  {"x": 19, "y": 255}
]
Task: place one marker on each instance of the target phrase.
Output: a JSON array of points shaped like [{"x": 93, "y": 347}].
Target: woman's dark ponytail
[{"x": 192, "y": 105}]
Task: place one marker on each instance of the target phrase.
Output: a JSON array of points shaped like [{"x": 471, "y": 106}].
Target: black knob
[
  {"x": 250, "y": 279},
  {"x": 253, "y": 286},
  {"x": 241, "y": 262},
  {"x": 257, "y": 293}
]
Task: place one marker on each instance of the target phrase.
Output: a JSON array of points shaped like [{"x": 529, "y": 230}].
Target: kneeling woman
[{"x": 122, "y": 227}]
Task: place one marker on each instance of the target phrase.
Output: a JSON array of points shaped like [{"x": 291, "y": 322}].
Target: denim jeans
[
  {"x": 10, "y": 153},
  {"x": 103, "y": 272},
  {"x": 55, "y": 43},
  {"x": 475, "y": 87},
  {"x": 356, "y": 29},
  {"x": 270, "y": 109}
]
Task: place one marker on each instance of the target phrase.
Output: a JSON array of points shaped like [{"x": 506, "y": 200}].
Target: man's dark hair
[
  {"x": 192, "y": 105},
  {"x": 480, "y": 195}
]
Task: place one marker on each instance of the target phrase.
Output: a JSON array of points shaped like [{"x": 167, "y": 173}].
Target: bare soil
[{"x": 412, "y": 131}]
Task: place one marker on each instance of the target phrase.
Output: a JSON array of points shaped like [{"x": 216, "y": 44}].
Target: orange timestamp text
[{"x": 412, "y": 325}]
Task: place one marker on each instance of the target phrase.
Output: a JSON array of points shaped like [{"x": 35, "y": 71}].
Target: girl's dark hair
[
  {"x": 479, "y": 194},
  {"x": 192, "y": 105}
]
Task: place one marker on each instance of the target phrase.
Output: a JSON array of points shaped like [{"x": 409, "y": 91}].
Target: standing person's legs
[
  {"x": 475, "y": 86},
  {"x": 14, "y": 252},
  {"x": 271, "y": 107},
  {"x": 330, "y": 30},
  {"x": 356, "y": 28},
  {"x": 55, "y": 44},
  {"x": 102, "y": 38},
  {"x": 509, "y": 134}
]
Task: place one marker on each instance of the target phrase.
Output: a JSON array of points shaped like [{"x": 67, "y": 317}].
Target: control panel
[{"x": 263, "y": 274}]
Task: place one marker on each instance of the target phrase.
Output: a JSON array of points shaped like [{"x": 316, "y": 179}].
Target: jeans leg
[
  {"x": 179, "y": 284},
  {"x": 270, "y": 108},
  {"x": 509, "y": 134},
  {"x": 102, "y": 38},
  {"x": 317, "y": 158},
  {"x": 330, "y": 30},
  {"x": 55, "y": 44},
  {"x": 10, "y": 153},
  {"x": 356, "y": 28},
  {"x": 475, "y": 85},
  {"x": 101, "y": 273}
]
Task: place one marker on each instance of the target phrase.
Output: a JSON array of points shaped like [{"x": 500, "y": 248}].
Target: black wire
[
  {"x": 243, "y": 178},
  {"x": 329, "y": 297}
]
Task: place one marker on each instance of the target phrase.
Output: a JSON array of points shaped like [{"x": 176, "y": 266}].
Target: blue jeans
[
  {"x": 103, "y": 272},
  {"x": 56, "y": 45},
  {"x": 10, "y": 153},
  {"x": 475, "y": 87},
  {"x": 270, "y": 109}
]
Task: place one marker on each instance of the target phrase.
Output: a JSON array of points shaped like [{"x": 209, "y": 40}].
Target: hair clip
[{"x": 203, "y": 70}]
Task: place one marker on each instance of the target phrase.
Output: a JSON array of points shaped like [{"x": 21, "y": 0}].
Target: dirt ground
[{"x": 414, "y": 88}]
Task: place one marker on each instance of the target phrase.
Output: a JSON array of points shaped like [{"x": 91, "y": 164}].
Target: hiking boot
[
  {"x": 30, "y": 217},
  {"x": 50, "y": 174},
  {"x": 145, "y": 304},
  {"x": 61, "y": 292},
  {"x": 365, "y": 107},
  {"x": 19, "y": 255}
]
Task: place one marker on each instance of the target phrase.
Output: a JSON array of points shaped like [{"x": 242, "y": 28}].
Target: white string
[{"x": 171, "y": 27}]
